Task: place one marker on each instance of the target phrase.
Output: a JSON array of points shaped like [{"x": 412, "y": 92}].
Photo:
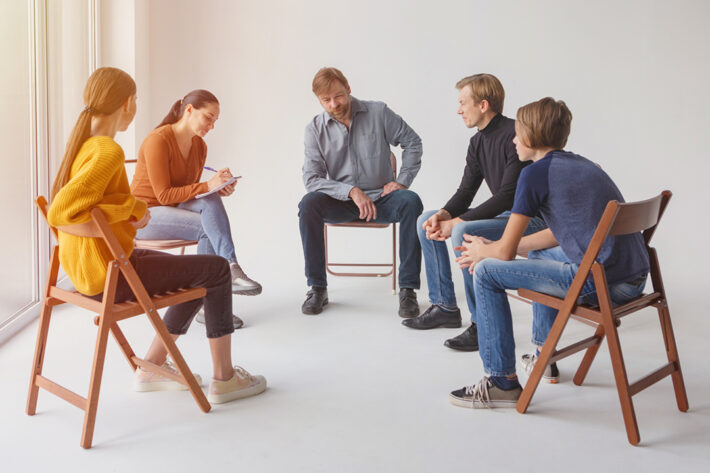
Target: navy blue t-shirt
[{"x": 571, "y": 193}]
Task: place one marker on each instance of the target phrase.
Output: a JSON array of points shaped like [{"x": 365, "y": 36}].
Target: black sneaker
[
  {"x": 466, "y": 341},
  {"x": 435, "y": 317},
  {"x": 485, "y": 394},
  {"x": 550, "y": 375},
  {"x": 408, "y": 305},
  {"x": 316, "y": 298}
]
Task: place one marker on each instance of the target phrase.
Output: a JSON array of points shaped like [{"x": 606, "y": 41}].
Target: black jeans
[
  {"x": 163, "y": 272},
  {"x": 403, "y": 206}
]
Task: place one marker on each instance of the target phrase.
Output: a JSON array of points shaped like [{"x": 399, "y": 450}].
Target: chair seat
[
  {"x": 357, "y": 224},
  {"x": 124, "y": 310},
  {"x": 587, "y": 311},
  {"x": 163, "y": 244}
]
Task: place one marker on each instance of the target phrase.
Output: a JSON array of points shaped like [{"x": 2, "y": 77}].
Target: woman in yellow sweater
[
  {"x": 92, "y": 174},
  {"x": 168, "y": 177}
]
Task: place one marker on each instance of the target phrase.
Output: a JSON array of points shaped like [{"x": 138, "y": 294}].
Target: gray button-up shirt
[{"x": 338, "y": 159}]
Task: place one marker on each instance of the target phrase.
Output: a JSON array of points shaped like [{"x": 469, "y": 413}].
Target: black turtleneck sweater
[{"x": 491, "y": 156}]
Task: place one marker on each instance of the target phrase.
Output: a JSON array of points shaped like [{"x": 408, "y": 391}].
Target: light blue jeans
[
  {"x": 204, "y": 220},
  {"x": 547, "y": 271},
  {"x": 436, "y": 256}
]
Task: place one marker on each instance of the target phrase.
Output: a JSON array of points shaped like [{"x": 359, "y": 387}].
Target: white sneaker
[
  {"x": 146, "y": 381},
  {"x": 241, "y": 385},
  {"x": 200, "y": 319},
  {"x": 243, "y": 284},
  {"x": 550, "y": 375}
]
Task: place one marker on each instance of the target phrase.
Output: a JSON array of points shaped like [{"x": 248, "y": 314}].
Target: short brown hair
[
  {"x": 325, "y": 77},
  {"x": 544, "y": 124},
  {"x": 485, "y": 87}
]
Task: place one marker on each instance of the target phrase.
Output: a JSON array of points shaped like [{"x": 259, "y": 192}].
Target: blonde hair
[
  {"x": 325, "y": 77},
  {"x": 106, "y": 91},
  {"x": 544, "y": 124},
  {"x": 485, "y": 87}
]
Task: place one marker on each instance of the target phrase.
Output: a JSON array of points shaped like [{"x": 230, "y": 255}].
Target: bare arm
[{"x": 537, "y": 241}]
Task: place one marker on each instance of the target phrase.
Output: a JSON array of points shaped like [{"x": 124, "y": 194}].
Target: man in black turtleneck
[{"x": 491, "y": 157}]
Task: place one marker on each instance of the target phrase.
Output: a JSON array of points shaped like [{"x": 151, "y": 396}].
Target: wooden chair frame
[
  {"x": 391, "y": 265},
  {"x": 109, "y": 313},
  {"x": 162, "y": 245},
  {"x": 617, "y": 219}
]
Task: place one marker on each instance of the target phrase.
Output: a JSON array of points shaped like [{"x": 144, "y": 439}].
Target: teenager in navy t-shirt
[{"x": 571, "y": 193}]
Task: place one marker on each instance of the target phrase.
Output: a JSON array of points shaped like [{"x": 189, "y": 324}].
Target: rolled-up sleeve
[
  {"x": 398, "y": 133},
  {"x": 315, "y": 171}
]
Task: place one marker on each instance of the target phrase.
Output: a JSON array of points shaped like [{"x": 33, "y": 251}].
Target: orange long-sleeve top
[{"x": 163, "y": 176}]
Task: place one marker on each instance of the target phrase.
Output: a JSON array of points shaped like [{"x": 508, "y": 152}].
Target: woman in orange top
[
  {"x": 92, "y": 174},
  {"x": 170, "y": 164}
]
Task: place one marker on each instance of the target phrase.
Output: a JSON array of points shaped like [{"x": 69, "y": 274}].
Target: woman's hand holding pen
[{"x": 220, "y": 177}]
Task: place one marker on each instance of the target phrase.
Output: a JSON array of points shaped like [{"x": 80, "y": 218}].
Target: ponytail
[
  {"x": 197, "y": 98},
  {"x": 79, "y": 134},
  {"x": 106, "y": 91},
  {"x": 173, "y": 115}
]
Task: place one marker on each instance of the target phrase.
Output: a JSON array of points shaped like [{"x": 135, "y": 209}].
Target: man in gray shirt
[{"x": 348, "y": 176}]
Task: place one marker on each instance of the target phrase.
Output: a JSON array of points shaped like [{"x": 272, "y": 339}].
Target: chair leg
[
  {"x": 92, "y": 400},
  {"x": 622, "y": 381},
  {"x": 123, "y": 345},
  {"x": 180, "y": 363},
  {"x": 547, "y": 350},
  {"x": 42, "y": 333},
  {"x": 589, "y": 357},
  {"x": 672, "y": 353},
  {"x": 394, "y": 259},
  {"x": 38, "y": 362},
  {"x": 325, "y": 245}
]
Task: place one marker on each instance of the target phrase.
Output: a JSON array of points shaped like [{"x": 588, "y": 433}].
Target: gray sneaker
[
  {"x": 242, "y": 284},
  {"x": 200, "y": 319},
  {"x": 551, "y": 374},
  {"x": 485, "y": 394}
]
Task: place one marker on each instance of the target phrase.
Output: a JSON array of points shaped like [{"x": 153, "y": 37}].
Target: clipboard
[{"x": 218, "y": 188}]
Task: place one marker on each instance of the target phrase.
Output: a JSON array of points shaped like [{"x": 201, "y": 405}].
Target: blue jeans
[
  {"x": 204, "y": 220},
  {"x": 436, "y": 257},
  {"x": 547, "y": 271},
  {"x": 403, "y": 206}
]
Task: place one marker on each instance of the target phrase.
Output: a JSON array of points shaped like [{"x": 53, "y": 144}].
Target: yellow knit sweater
[{"x": 98, "y": 179}]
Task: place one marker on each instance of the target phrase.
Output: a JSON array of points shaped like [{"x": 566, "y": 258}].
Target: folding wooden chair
[
  {"x": 162, "y": 245},
  {"x": 109, "y": 314},
  {"x": 617, "y": 219},
  {"x": 392, "y": 266}
]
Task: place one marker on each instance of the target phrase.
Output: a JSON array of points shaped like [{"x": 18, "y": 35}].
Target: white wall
[{"x": 633, "y": 74}]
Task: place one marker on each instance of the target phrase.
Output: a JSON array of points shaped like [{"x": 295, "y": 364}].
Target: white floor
[{"x": 352, "y": 390}]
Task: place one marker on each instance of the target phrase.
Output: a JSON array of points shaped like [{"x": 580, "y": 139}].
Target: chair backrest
[
  {"x": 626, "y": 218},
  {"x": 620, "y": 219},
  {"x": 97, "y": 227},
  {"x": 642, "y": 216}
]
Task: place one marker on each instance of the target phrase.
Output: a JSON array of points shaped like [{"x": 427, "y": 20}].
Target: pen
[{"x": 214, "y": 170}]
